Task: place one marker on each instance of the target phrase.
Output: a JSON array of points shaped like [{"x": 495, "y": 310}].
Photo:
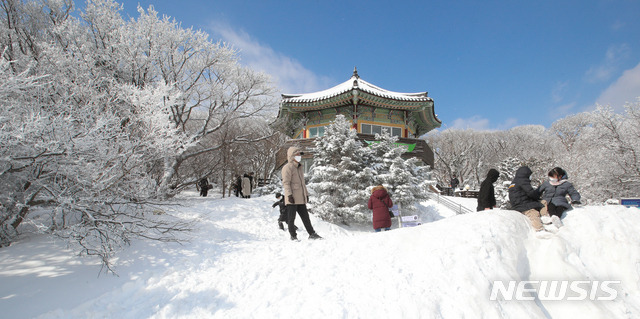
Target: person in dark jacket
[
  {"x": 486, "y": 195},
  {"x": 283, "y": 210},
  {"x": 524, "y": 198},
  {"x": 454, "y": 183},
  {"x": 204, "y": 186},
  {"x": 380, "y": 202},
  {"x": 555, "y": 190},
  {"x": 236, "y": 186}
]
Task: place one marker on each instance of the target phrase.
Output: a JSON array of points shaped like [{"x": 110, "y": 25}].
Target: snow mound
[{"x": 238, "y": 264}]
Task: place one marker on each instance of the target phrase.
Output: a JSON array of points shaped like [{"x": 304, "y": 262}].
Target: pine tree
[
  {"x": 405, "y": 180},
  {"x": 507, "y": 169},
  {"x": 340, "y": 175}
]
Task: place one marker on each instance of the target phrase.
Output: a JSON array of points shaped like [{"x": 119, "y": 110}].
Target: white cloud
[
  {"x": 609, "y": 65},
  {"x": 288, "y": 74},
  {"x": 624, "y": 89},
  {"x": 563, "y": 110},
  {"x": 617, "y": 25},
  {"x": 479, "y": 123},
  {"x": 558, "y": 92}
]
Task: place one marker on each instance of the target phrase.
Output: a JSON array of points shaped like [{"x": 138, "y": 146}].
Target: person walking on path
[
  {"x": 296, "y": 195},
  {"x": 524, "y": 198},
  {"x": 380, "y": 202},
  {"x": 454, "y": 183},
  {"x": 486, "y": 195},
  {"x": 237, "y": 185},
  {"x": 283, "y": 210},
  {"x": 204, "y": 186},
  {"x": 246, "y": 186}
]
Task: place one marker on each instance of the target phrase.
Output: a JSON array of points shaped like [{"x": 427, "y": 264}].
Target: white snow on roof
[{"x": 352, "y": 83}]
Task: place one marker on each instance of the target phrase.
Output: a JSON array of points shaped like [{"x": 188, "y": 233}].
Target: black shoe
[
  {"x": 314, "y": 236},
  {"x": 280, "y": 225},
  {"x": 294, "y": 238}
]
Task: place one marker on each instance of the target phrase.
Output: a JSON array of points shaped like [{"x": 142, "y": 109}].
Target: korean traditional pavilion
[{"x": 370, "y": 108}]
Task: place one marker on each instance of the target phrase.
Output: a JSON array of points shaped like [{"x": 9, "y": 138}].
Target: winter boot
[
  {"x": 551, "y": 228},
  {"x": 280, "y": 225},
  {"x": 556, "y": 221},
  {"x": 294, "y": 238},
  {"x": 314, "y": 236}
]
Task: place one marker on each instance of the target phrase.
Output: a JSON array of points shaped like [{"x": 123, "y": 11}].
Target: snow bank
[{"x": 239, "y": 265}]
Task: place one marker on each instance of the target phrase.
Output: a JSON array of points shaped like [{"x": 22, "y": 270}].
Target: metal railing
[{"x": 458, "y": 208}]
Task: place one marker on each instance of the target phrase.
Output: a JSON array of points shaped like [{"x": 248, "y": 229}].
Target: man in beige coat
[{"x": 296, "y": 195}]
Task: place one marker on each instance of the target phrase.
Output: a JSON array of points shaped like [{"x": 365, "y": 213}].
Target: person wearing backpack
[{"x": 380, "y": 202}]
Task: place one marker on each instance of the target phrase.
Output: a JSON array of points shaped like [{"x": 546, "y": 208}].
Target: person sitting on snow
[
  {"x": 554, "y": 196},
  {"x": 525, "y": 199}
]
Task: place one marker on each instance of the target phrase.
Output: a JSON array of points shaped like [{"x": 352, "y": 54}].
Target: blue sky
[{"x": 487, "y": 64}]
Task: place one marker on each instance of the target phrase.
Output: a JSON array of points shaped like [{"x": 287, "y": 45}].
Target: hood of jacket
[
  {"x": 523, "y": 172},
  {"x": 379, "y": 192},
  {"x": 290, "y": 153},
  {"x": 493, "y": 175}
]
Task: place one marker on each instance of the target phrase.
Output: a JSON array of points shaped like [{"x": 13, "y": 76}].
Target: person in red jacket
[{"x": 380, "y": 202}]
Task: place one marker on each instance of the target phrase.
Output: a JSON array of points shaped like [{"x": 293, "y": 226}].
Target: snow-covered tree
[
  {"x": 598, "y": 150},
  {"x": 344, "y": 172},
  {"x": 99, "y": 113},
  {"x": 507, "y": 169},
  {"x": 616, "y": 159},
  {"x": 405, "y": 179},
  {"x": 340, "y": 175}
]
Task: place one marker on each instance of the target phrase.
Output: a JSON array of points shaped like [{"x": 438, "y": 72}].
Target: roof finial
[{"x": 355, "y": 72}]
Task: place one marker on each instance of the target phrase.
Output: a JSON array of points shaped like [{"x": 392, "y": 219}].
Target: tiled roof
[{"x": 355, "y": 82}]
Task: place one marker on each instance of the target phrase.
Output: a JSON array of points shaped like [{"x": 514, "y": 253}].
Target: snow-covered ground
[{"x": 238, "y": 264}]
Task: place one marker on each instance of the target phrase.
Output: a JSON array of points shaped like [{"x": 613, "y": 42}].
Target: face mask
[
  {"x": 298, "y": 158},
  {"x": 553, "y": 180}
]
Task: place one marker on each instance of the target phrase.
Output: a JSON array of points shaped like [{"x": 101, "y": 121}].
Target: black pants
[
  {"x": 555, "y": 210},
  {"x": 204, "y": 191},
  {"x": 284, "y": 216},
  {"x": 304, "y": 215}
]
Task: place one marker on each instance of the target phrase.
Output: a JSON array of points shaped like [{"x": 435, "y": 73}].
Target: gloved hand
[
  {"x": 291, "y": 200},
  {"x": 274, "y": 205},
  {"x": 308, "y": 200}
]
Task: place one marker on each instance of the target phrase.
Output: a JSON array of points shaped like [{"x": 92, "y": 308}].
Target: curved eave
[
  {"x": 352, "y": 85},
  {"x": 363, "y": 97},
  {"x": 427, "y": 120}
]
